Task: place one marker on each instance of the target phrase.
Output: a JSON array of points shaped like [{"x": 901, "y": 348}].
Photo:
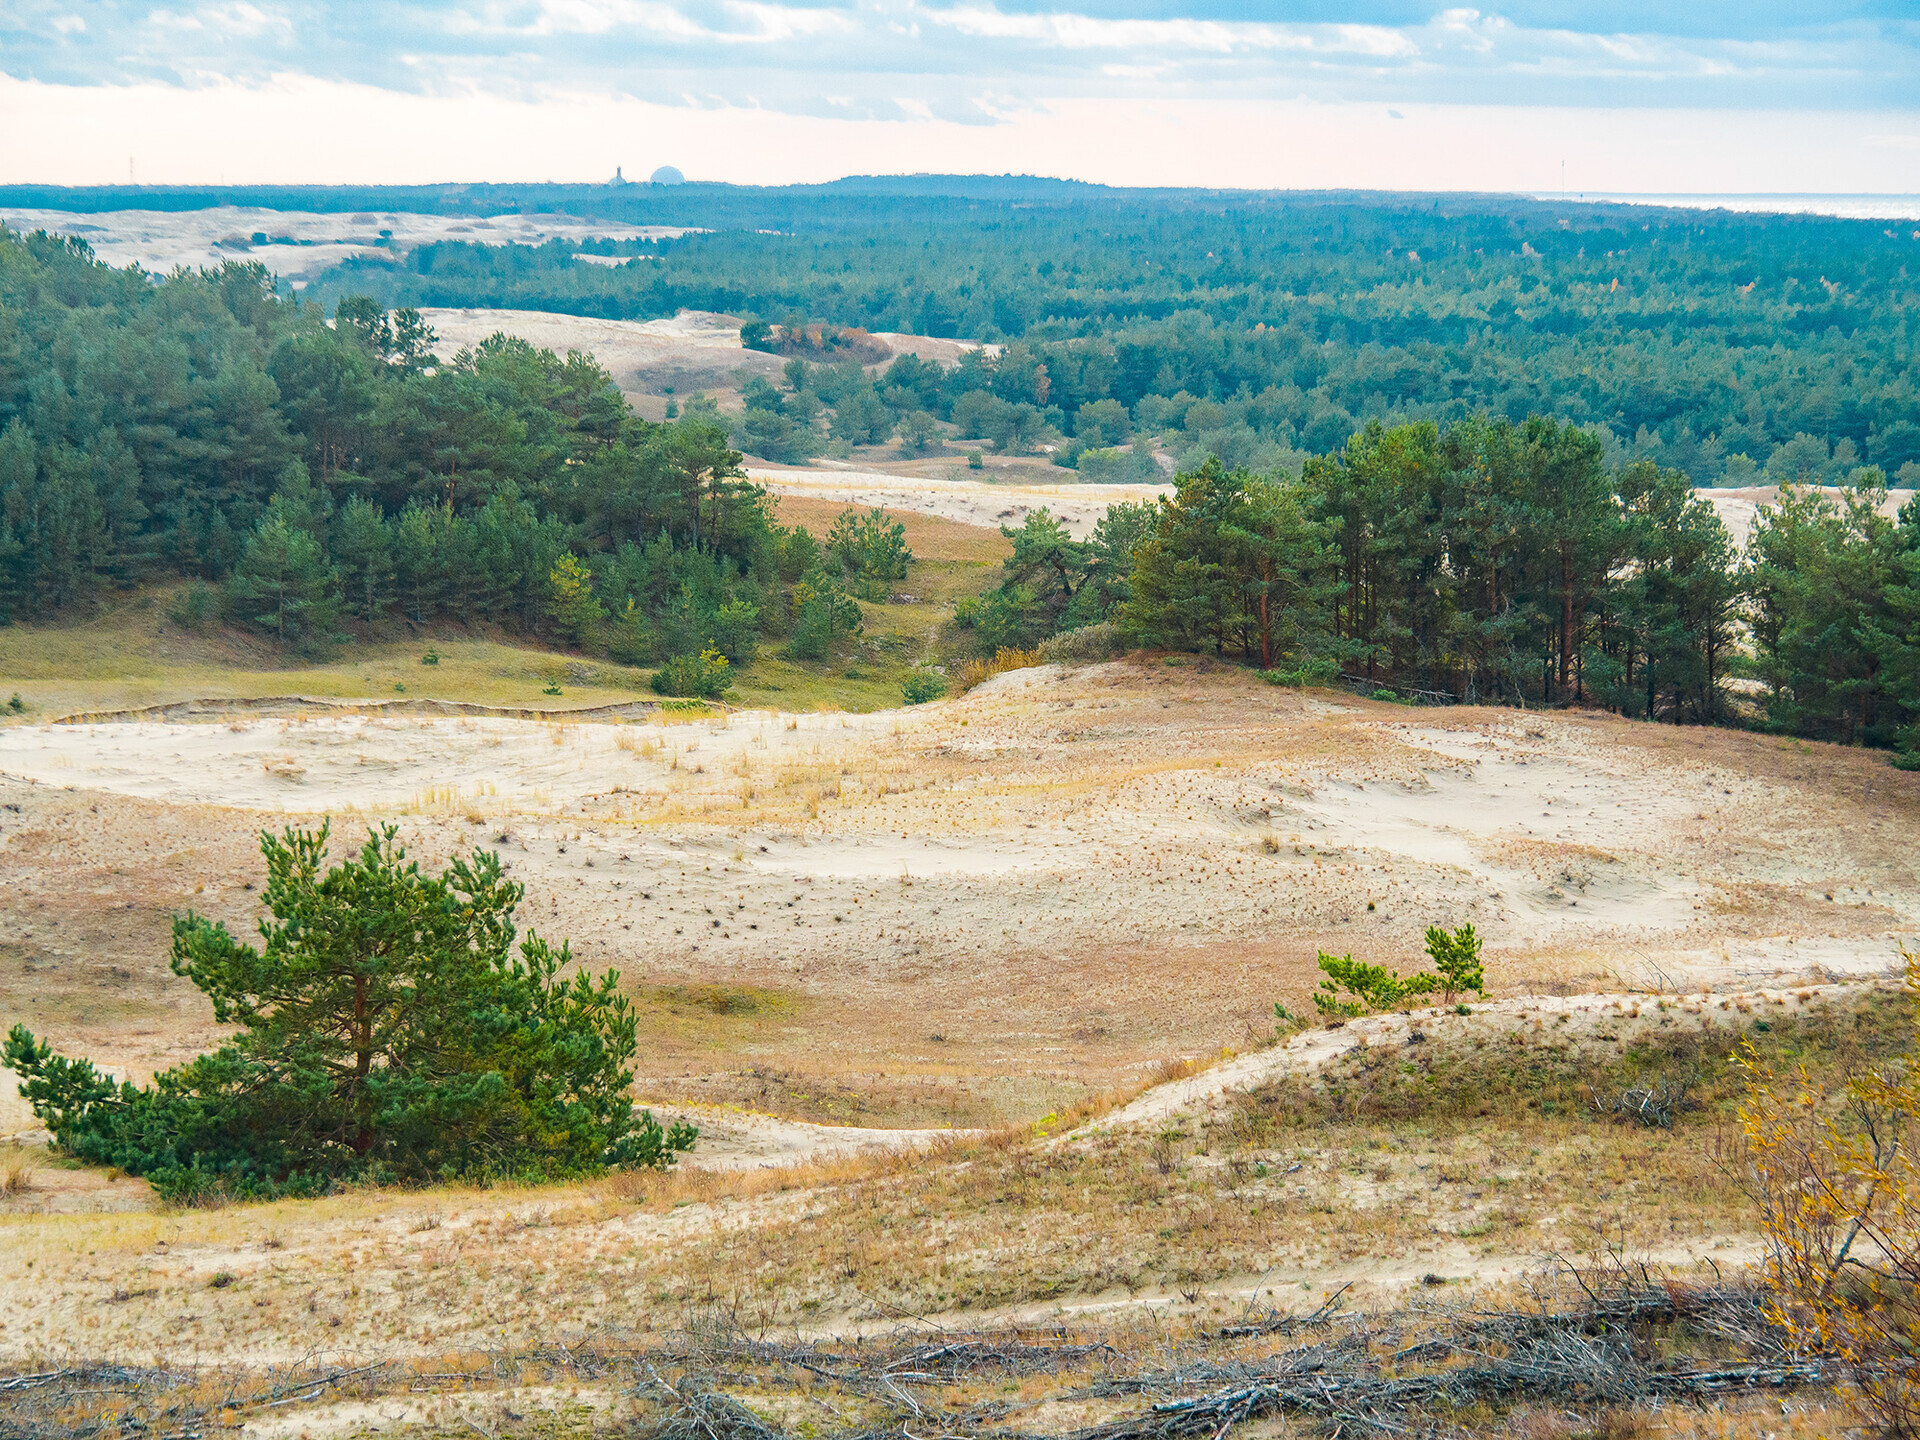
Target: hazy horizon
[{"x": 1539, "y": 96}]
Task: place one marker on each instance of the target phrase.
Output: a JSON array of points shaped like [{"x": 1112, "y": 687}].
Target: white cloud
[
  {"x": 232, "y": 21},
  {"x": 792, "y": 22},
  {"x": 747, "y": 21},
  {"x": 1071, "y": 31},
  {"x": 947, "y": 53}
]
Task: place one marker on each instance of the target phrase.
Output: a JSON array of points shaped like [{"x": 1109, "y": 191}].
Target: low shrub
[
  {"x": 1090, "y": 642},
  {"x": 922, "y": 685},
  {"x": 1307, "y": 675},
  {"x": 705, "y": 676},
  {"x": 196, "y": 607}
]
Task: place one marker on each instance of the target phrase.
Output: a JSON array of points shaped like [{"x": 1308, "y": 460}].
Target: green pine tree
[
  {"x": 386, "y": 1029},
  {"x": 363, "y": 545},
  {"x": 576, "y": 612},
  {"x": 284, "y": 586}
]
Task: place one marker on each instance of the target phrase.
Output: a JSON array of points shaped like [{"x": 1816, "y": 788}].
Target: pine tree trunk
[{"x": 1566, "y": 625}]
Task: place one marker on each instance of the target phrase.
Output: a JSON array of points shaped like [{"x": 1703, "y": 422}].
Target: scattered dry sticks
[
  {"x": 1653, "y": 1106},
  {"x": 1586, "y": 1340}
]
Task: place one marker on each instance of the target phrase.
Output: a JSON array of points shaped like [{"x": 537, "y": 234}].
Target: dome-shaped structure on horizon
[{"x": 668, "y": 175}]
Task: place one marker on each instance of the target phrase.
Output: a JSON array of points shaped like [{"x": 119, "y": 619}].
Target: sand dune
[{"x": 970, "y": 907}]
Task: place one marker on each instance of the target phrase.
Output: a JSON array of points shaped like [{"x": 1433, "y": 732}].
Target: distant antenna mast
[
  {"x": 1563, "y": 180},
  {"x": 130, "y": 179}
]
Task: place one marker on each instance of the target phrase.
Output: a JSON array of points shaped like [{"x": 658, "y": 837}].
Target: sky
[{"x": 1640, "y": 96}]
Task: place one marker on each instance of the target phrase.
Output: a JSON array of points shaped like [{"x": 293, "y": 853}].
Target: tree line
[
  {"x": 311, "y": 476},
  {"x": 1505, "y": 562}
]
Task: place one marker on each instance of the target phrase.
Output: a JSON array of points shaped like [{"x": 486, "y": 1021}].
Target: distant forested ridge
[{"x": 1261, "y": 328}]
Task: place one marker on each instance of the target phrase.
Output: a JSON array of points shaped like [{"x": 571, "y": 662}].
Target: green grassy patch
[
  {"x": 710, "y": 1017},
  {"x": 127, "y": 654}
]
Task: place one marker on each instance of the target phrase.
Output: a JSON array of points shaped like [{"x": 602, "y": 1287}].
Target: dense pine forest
[
  {"x": 1261, "y": 328},
  {"x": 1438, "y": 451},
  {"x": 320, "y": 474}
]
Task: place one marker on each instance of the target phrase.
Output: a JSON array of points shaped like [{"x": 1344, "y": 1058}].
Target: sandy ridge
[
  {"x": 1313, "y": 1050},
  {"x": 215, "y": 707}
]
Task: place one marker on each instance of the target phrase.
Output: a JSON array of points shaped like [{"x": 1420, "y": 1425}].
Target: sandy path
[
  {"x": 972, "y": 502},
  {"x": 732, "y": 1139}
]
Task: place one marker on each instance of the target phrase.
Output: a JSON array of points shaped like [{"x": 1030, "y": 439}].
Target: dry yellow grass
[
  {"x": 17, "y": 1166},
  {"x": 1008, "y": 1224},
  {"x": 975, "y": 672},
  {"x": 928, "y": 536}
]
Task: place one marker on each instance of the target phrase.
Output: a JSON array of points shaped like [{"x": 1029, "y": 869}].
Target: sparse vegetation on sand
[{"x": 1126, "y": 865}]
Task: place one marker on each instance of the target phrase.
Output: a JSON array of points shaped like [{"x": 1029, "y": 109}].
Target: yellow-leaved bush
[{"x": 1838, "y": 1182}]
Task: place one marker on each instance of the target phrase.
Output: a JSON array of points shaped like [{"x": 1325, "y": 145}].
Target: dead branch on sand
[{"x": 1585, "y": 1340}]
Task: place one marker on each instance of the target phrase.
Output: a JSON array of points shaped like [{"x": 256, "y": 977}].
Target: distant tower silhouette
[{"x": 618, "y": 178}]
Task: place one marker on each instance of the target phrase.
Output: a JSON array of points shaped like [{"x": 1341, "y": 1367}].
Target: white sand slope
[
  {"x": 1055, "y": 812},
  {"x": 693, "y": 350},
  {"x": 972, "y": 502},
  {"x": 1738, "y": 509},
  {"x": 299, "y": 245}
]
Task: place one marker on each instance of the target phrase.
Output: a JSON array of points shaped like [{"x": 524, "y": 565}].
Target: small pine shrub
[
  {"x": 338, "y": 1066},
  {"x": 1309, "y": 674},
  {"x": 922, "y": 685},
  {"x": 1456, "y": 961},
  {"x": 1373, "y": 987},
  {"x": 1456, "y": 970}
]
